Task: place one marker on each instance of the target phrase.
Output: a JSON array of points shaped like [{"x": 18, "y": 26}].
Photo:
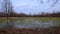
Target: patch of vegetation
[
  {"x": 47, "y": 19},
  {"x": 2, "y": 19},
  {"x": 21, "y": 18}
]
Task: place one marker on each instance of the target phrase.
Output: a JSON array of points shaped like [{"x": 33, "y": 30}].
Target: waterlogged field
[{"x": 30, "y": 22}]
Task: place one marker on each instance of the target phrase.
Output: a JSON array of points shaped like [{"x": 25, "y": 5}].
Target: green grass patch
[{"x": 47, "y": 19}]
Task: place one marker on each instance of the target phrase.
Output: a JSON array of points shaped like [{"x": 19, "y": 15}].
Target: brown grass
[{"x": 29, "y": 31}]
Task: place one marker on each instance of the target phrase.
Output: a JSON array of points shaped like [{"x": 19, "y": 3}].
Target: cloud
[{"x": 34, "y": 5}]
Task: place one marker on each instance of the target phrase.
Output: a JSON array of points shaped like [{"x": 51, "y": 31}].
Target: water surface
[{"x": 29, "y": 23}]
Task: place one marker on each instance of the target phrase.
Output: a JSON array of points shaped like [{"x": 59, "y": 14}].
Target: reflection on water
[
  {"x": 37, "y": 24},
  {"x": 29, "y": 24}
]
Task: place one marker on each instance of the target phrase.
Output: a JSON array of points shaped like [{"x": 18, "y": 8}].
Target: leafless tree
[
  {"x": 54, "y": 2},
  {"x": 7, "y": 8}
]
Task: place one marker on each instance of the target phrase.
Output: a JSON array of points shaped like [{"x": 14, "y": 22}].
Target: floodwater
[{"x": 29, "y": 23}]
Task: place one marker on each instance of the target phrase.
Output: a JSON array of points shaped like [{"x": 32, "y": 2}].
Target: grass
[
  {"x": 35, "y": 18},
  {"x": 29, "y": 31},
  {"x": 11, "y": 18},
  {"x": 21, "y": 18},
  {"x": 2, "y": 19},
  {"x": 47, "y": 19}
]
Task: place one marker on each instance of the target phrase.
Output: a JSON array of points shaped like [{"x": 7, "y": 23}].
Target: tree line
[{"x": 14, "y": 14}]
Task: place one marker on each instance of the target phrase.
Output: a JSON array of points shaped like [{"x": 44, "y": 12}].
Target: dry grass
[
  {"x": 29, "y": 31},
  {"x": 35, "y": 18}
]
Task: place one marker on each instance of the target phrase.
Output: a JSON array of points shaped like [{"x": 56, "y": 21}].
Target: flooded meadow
[{"x": 29, "y": 23}]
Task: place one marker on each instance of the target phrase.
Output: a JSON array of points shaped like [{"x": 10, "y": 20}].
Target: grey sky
[{"x": 35, "y": 6}]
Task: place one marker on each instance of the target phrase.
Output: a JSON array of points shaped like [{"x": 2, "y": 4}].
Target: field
[
  {"x": 30, "y": 25},
  {"x": 35, "y": 18}
]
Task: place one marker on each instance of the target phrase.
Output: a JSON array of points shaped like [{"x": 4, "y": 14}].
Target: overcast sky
[{"x": 34, "y": 6}]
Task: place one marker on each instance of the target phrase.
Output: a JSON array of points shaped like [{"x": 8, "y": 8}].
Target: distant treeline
[{"x": 13, "y": 14}]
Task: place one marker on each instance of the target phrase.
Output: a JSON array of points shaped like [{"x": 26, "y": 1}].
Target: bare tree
[
  {"x": 7, "y": 8},
  {"x": 54, "y": 2}
]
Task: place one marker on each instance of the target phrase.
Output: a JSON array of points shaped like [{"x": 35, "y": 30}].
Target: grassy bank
[
  {"x": 47, "y": 18},
  {"x": 29, "y": 31},
  {"x": 2, "y": 19},
  {"x": 35, "y": 18}
]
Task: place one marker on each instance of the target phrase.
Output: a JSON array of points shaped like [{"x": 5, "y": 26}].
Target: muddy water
[
  {"x": 29, "y": 23},
  {"x": 36, "y": 24}
]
